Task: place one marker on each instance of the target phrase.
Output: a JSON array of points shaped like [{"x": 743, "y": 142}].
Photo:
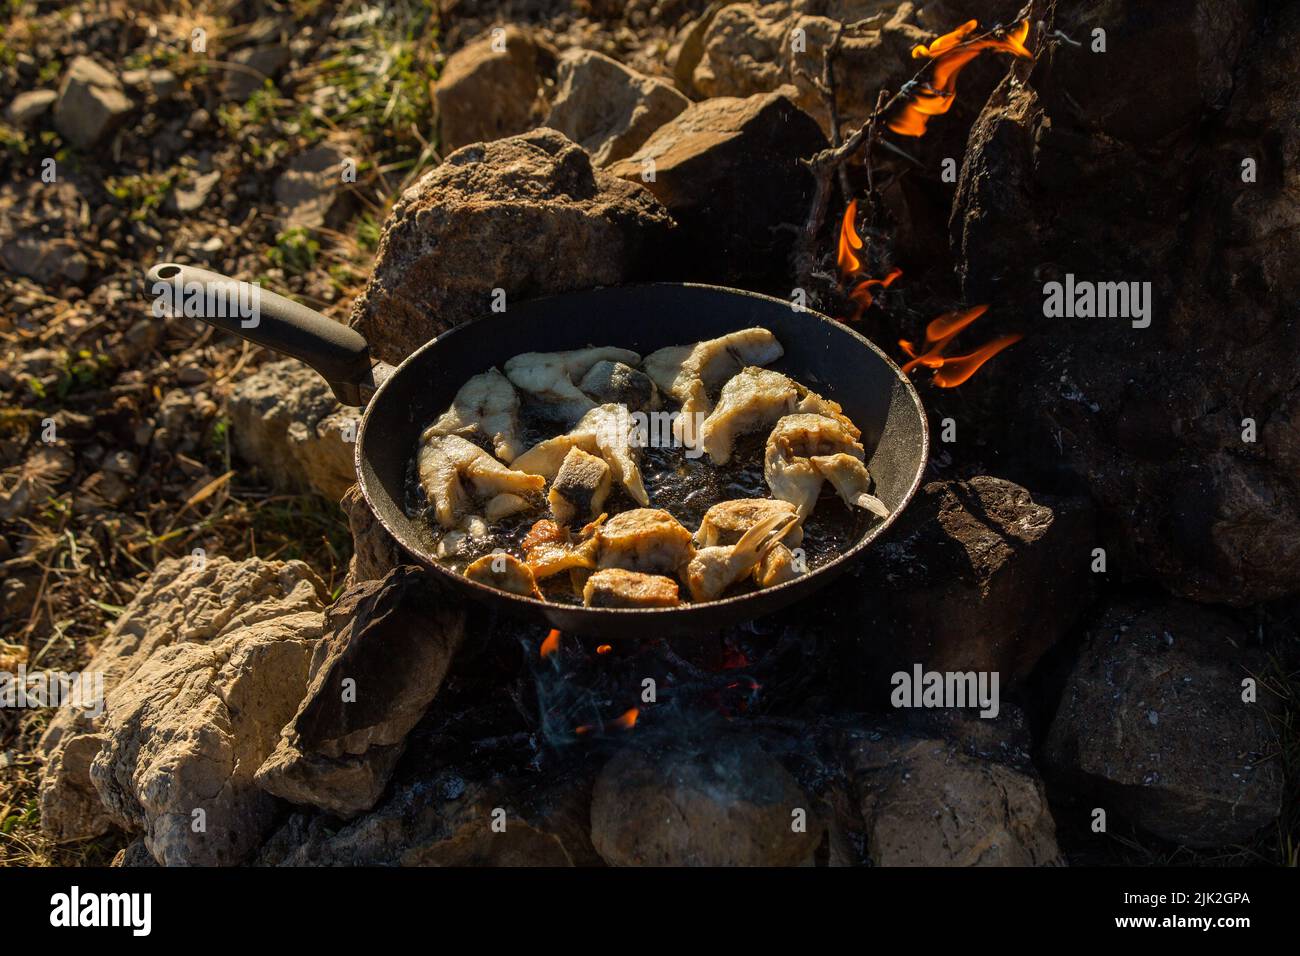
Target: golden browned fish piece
[
  {"x": 614, "y": 587},
  {"x": 505, "y": 572},
  {"x": 712, "y": 570},
  {"x": 644, "y": 539}
]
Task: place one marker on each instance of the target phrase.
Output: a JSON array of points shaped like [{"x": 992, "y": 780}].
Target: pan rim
[{"x": 827, "y": 570}]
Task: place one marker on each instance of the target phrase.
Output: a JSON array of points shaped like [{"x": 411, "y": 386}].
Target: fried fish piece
[
  {"x": 754, "y": 399},
  {"x": 804, "y": 450},
  {"x": 644, "y": 539},
  {"x": 505, "y": 572},
  {"x": 776, "y": 567},
  {"x": 487, "y": 405},
  {"x": 550, "y": 549},
  {"x": 580, "y": 487},
  {"x": 614, "y": 383},
  {"x": 693, "y": 373},
  {"x": 727, "y": 521},
  {"x": 714, "y": 569},
  {"x": 547, "y": 378},
  {"x": 454, "y": 473},
  {"x": 607, "y": 431},
  {"x": 614, "y": 587}
]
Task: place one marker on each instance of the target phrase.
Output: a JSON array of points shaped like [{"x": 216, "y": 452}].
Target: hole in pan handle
[{"x": 340, "y": 354}]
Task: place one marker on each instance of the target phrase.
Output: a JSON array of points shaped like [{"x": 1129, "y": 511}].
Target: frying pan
[{"x": 399, "y": 402}]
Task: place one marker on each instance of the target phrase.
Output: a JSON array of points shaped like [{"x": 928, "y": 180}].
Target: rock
[
  {"x": 181, "y": 602},
  {"x": 721, "y": 802},
  {"x": 445, "y": 818},
  {"x": 455, "y": 235},
  {"x": 182, "y": 738},
  {"x": 707, "y": 164},
  {"x": 491, "y": 88},
  {"x": 392, "y": 641},
  {"x": 27, "y": 107},
  {"x": 748, "y": 48},
  {"x": 608, "y": 109},
  {"x": 976, "y": 575},
  {"x": 924, "y": 802},
  {"x": 310, "y": 186},
  {"x": 91, "y": 103},
  {"x": 253, "y": 66},
  {"x": 375, "y": 552},
  {"x": 286, "y": 421},
  {"x": 686, "y": 53},
  {"x": 1154, "y": 420},
  {"x": 195, "y": 192},
  {"x": 1153, "y": 726},
  {"x": 136, "y": 854}
]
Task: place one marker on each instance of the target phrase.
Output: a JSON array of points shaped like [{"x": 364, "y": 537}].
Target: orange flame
[
  {"x": 945, "y": 42},
  {"x": 863, "y": 295},
  {"x": 626, "y": 720},
  {"x": 551, "y": 644},
  {"x": 603, "y": 649},
  {"x": 961, "y": 367},
  {"x": 951, "y": 53},
  {"x": 850, "y": 265},
  {"x": 952, "y": 371}
]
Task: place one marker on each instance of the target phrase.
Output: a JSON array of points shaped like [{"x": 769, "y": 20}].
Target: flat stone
[{"x": 392, "y": 642}]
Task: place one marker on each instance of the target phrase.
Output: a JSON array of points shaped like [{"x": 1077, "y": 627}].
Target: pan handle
[{"x": 337, "y": 352}]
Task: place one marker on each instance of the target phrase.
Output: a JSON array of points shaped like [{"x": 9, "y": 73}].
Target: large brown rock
[
  {"x": 607, "y": 108},
  {"x": 1072, "y": 170},
  {"x": 978, "y": 575},
  {"x": 717, "y": 802},
  {"x": 491, "y": 88},
  {"x": 729, "y": 171},
  {"x": 183, "y": 736},
  {"x": 183, "y": 601},
  {"x": 1153, "y": 726},
  {"x": 925, "y": 802},
  {"x": 389, "y": 648},
  {"x": 458, "y": 233}
]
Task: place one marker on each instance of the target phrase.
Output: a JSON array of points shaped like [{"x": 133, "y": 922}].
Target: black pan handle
[{"x": 337, "y": 352}]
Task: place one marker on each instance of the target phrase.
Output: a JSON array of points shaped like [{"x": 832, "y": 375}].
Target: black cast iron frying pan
[{"x": 399, "y": 402}]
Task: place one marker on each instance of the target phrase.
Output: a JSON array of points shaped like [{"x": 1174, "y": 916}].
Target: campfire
[{"x": 689, "y": 515}]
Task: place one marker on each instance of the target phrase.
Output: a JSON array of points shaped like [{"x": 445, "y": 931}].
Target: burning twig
[{"x": 948, "y": 54}]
